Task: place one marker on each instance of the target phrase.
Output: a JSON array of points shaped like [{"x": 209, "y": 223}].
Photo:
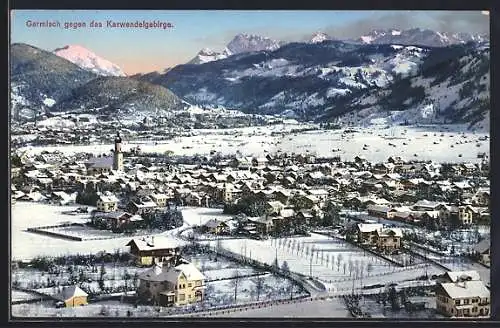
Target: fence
[{"x": 39, "y": 230}]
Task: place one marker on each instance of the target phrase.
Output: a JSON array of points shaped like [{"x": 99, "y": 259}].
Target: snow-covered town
[
  {"x": 251, "y": 167},
  {"x": 138, "y": 231}
]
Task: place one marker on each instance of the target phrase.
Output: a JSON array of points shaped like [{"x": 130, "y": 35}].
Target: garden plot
[
  {"x": 115, "y": 275},
  {"x": 271, "y": 288}
]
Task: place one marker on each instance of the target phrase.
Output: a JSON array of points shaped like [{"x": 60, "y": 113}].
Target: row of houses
[{"x": 425, "y": 210}]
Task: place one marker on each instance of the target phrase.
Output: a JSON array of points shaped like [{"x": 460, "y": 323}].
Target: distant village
[{"x": 279, "y": 195}]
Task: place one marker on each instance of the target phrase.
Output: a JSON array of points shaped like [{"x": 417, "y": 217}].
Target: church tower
[{"x": 118, "y": 155}]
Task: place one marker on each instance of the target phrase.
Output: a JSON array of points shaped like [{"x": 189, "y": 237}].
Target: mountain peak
[
  {"x": 244, "y": 42},
  {"x": 86, "y": 59},
  {"x": 319, "y": 37}
]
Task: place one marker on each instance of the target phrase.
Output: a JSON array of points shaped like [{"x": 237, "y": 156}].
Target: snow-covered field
[
  {"x": 257, "y": 141},
  {"x": 27, "y": 245},
  {"x": 294, "y": 250}
]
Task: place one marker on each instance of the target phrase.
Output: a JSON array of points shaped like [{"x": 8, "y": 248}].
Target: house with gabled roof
[
  {"x": 173, "y": 284},
  {"x": 107, "y": 202},
  {"x": 367, "y": 232},
  {"x": 389, "y": 239},
  {"x": 463, "y": 298},
  {"x": 150, "y": 250}
]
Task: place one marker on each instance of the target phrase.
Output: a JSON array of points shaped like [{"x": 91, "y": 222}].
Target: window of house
[
  {"x": 474, "y": 309},
  {"x": 466, "y": 301},
  {"x": 147, "y": 284},
  {"x": 457, "y": 302},
  {"x": 190, "y": 285},
  {"x": 183, "y": 285},
  {"x": 395, "y": 240},
  {"x": 182, "y": 297},
  {"x": 486, "y": 311},
  {"x": 475, "y": 300},
  {"x": 180, "y": 286}
]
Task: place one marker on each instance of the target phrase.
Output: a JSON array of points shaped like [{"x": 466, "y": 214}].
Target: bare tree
[
  {"x": 259, "y": 286},
  {"x": 369, "y": 268},
  {"x": 234, "y": 282},
  {"x": 333, "y": 261},
  {"x": 339, "y": 259},
  {"x": 351, "y": 267},
  {"x": 345, "y": 267}
]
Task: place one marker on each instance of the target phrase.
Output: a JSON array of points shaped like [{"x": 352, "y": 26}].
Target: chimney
[{"x": 153, "y": 241}]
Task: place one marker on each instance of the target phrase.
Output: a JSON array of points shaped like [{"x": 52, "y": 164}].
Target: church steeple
[{"x": 118, "y": 155}]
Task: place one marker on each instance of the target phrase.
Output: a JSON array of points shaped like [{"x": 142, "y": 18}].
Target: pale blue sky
[{"x": 141, "y": 50}]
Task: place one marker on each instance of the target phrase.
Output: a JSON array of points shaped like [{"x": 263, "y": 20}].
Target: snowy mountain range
[
  {"x": 241, "y": 43},
  {"x": 319, "y": 79},
  {"x": 88, "y": 60},
  {"x": 324, "y": 80},
  {"x": 419, "y": 37}
]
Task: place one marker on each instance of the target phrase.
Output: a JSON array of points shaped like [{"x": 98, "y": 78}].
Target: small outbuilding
[{"x": 72, "y": 296}]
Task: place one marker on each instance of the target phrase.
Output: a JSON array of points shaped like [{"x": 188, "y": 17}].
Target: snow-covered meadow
[
  {"x": 375, "y": 143},
  {"x": 27, "y": 245}
]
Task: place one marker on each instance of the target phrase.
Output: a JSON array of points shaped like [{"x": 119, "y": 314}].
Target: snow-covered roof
[
  {"x": 190, "y": 271},
  {"x": 171, "y": 274},
  {"x": 154, "y": 243},
  {"x": 427, "y": 204},
  {"x": 69, "y": 292},
  {"x": 466, "y": 289},
  {"x": 369, "y": 227},
  {"x": 108, "y": 198},
  {"x": 286, "y": 213},
  {"x": 454, "y": 276},
  {"x": 378, "y": 208},
  {"x": 396, "y": 232}
]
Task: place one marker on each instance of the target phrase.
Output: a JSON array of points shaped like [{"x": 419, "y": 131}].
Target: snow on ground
[
  {"x": 228, "y": 273},
  {"x": 329, "y": 308},
  {"x": 27, "y": 245},
  {"x": 17, "y": 295},
  {"x": 259, "y": 141},
  {"x": 333, "y": 278},
  {"x": 201, "y": 215},
  {"x": 57, "y": 122}
]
